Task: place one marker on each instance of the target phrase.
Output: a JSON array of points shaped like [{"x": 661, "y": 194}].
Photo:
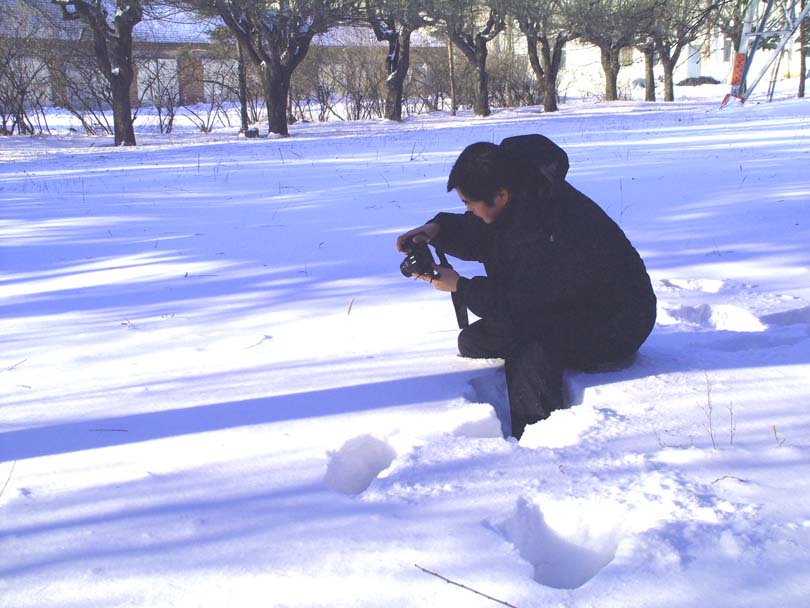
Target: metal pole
[{"x": 783, "y": 42}]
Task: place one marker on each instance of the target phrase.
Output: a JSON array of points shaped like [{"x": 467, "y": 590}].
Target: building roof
[
  {"x": 43, "y": 19},
  {"x": 161, "y": 24}
]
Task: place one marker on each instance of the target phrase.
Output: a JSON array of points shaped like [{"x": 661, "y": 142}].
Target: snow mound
[
  {"x": 562, "y": 428},
  {"x": 723, "y": 317},
  {"x": 566, "y": 546},
  {"x": 704, "y": 285},
  {"x": 353, "y": 467}
]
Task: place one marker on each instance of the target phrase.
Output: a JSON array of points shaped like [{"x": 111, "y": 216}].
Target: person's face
[{"x": 480, "y": 209}]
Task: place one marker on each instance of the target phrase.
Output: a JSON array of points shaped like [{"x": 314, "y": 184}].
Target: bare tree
[
  {"x": 112, "y": 41},
  {"x": 610, "y": 25},
  {"x": 393, "y": 21},
  {"x": 276, "y": 35},
  {"x": 546, "y": 36},
  {"x": 677, "y": 24},
  {"x": 471, "y": 26}
]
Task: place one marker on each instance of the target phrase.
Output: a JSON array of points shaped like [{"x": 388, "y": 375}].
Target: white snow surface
[{"x": 217, "y": 389}]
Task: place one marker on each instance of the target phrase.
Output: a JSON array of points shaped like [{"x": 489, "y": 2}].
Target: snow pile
[{"x": 354, "y": 466}]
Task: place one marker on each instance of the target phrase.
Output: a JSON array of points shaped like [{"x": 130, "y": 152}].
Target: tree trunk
[
  {"x": 481, "y": 102},
  {"x": 124, "y": 132},
  {"x": 649, "y": 74},
  {"x": 475, "y": 51},
  {"x": 552, "y": 59},
  {"x": 537, "y": 67},
  {"x": 611, "y": 66},
  {"x": 550, "y": 93},
  {"x": 393, "y": 93},
  {"x": 669, "y": 59},
  {"x": 452, "y": 67},
  {"x": 121, "y": 77},
  {"x": 243, "y": 105},
  {"x": 276, "y": 93},
  {"x": 399, "y": 61},
  {"x": 546, "y": 66},
  {"x": 668, "y": 66}
]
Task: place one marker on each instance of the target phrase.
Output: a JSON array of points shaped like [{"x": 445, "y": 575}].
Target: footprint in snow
[
  {"x": 353, "y": 467},
  {"x": 567, "y": 554}
]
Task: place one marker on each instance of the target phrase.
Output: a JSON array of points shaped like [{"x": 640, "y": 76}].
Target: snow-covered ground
[{"x": 217, "y": 389}]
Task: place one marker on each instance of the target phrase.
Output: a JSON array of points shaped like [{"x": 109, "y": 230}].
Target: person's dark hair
[{"x": 479, "y": 172}]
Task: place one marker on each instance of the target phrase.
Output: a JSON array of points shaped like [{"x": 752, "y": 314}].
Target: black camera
[{"x": 418, "y": 260}]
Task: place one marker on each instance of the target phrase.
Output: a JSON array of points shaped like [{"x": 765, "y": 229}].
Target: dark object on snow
[
  {"x": 252, "y": 133},
  {"x": 697, "y": 81}
]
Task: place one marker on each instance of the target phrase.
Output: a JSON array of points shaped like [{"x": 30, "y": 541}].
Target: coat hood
[
  {"x": 540, "y": 165},
  {"x": 539, "y": 153}
]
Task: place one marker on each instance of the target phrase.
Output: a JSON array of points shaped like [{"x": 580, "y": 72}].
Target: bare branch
[{"x": 452, "y": 582}]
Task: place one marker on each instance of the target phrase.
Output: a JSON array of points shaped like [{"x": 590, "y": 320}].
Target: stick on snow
[{"x": 452, "y": 582}]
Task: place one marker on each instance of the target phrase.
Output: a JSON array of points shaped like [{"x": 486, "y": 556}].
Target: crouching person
[{"x": 564, "y": 288}]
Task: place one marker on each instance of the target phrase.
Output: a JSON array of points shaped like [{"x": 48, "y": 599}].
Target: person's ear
[{"x": 502, "y": 196}]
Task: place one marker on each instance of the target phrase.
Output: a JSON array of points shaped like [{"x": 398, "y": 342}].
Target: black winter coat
[{"x": 559, "y": 270}]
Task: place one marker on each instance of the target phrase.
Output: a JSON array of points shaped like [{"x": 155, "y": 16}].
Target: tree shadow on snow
[{"x": 121, "y": 430}]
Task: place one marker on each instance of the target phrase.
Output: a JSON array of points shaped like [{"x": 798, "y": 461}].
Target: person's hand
[
  {"x": 423, "y": 234},
  {"x": 446, "y": 281}
]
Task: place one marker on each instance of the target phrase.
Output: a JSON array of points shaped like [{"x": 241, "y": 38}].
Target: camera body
[{"x": 418, "y": 260}]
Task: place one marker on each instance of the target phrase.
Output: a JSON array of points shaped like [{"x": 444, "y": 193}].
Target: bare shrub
[
  {"x": 159, "y": 85},
  {"x": 512, "y": 83},
  {"x": 24, "y": 91}
]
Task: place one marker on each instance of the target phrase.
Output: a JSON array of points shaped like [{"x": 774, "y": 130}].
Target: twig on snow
[
  {"x": 10, "y": 473},
  {"x": 265, "y": 337},
  {"x": 452, "y": 582},
  {"x": 779, "y": 441},
  {"x": 740, "y": 479},
  {"x": 16, "y": 365}
]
